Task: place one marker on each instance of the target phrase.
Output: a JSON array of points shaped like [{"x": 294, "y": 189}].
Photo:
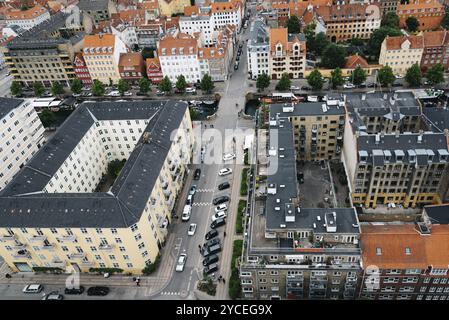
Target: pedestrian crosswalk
[
  {"x": 205, "y": 190},
  {"x": 201, "y": 204},
  {"x": 170, "y": 293}
]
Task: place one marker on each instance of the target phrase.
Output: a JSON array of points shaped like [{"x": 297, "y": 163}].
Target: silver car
[{"x": 181, "y": 262}]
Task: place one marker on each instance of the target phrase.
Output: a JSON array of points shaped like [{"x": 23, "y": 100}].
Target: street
[{"x": 5, "y": 83}]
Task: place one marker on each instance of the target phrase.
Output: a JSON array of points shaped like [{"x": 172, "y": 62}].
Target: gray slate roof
[
  {"x": 7, "y": 105},
  {"x": 438, "y": 214},
  {"x": 438, "y": 118},
  {"x": 93, "y": 5},
  {"x": 121, "y": 207}
]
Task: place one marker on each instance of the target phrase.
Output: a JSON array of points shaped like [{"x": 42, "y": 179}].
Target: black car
[
  {"x": 221, "y": 199},
  {"x": 212, "y": 242},
  {"x": 211, "y": 234},
  {"x": 306, "y": 88},
  {"x": 79, "y": 290},
  {"x": 211, "y": 268},
  {"x": 141, "y": 93},
  {"x": 210, "y": 259},
  {"x": 197, "y": 174},
  {"x": 217, "y": 223},
  {"x": 97, "y": 291},
  {"x": 223, "y": 186}
]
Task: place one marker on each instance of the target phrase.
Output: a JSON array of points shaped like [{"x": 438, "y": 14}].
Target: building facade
[
  {"x": 430, "y": 14},
  {"x": 27, "y": 19},
  {"x": 436, "y": 50},
  {"x": 97, "y": 10},
  {"x": 170, "y": 7},
  {"x": 400, "y": 53},
  {"x": 154, "y": 71},
  {"x": 287, "y": 54},
  {"x": 71, "y": 227},
  {"x": 22, "y": 134},
  {"x": 258, "y": 50},
  {"x": 131, "y": 66},
  {"x": 81, "y": 70}
]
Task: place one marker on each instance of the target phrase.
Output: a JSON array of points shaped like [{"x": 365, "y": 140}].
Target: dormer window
[
  {"x": 164, "y": 51},
  {"x": 378, "y": 251},
  {"x": 408, "y": 251},
  {"x": 173, "y": 50}
]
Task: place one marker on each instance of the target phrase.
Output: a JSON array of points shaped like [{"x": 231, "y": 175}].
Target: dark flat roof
[
  {"x": 22, "y": 203},
  {"x": 7, "y": 105},
  {"x": 438, "y": 214},
  {"x": 305, "y": 109}
]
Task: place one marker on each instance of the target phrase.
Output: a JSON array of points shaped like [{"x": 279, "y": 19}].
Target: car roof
[{"x": 33, "y": 286}]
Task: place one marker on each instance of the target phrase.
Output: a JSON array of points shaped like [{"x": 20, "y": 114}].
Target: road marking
[
  {"x": 205, "y": 190},
  {"x": 198, "y": 204}
]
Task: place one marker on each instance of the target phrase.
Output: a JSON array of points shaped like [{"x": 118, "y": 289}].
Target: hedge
[
  {"x": 244, "y": 183},
  {"x": 106, "y": 270},
  {"x": 240, "y": 213},
  {"x": 152, "y": 267},
  {"x": 235, "y": 289}
]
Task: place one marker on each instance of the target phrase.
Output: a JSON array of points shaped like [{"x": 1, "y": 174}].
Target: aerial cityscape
[{"x": 224, "y": 150}]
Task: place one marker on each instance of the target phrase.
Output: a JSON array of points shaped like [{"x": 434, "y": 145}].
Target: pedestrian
[
  {"x": 224, "y": 281},
  {"x": 224, "y": 234}
]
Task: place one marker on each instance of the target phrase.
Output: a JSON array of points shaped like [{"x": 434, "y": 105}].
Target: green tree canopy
[
  {"x": 147, "y": 53},
  {"x": 445, "y": 22},
  {"x": 38, "y": 89},
  {"x": 165, "y": 85},
  {"x": 390, "y": 20},
  {"x": 57, "y": 88},
  {"x": 263, "y": 82},
  {"x": 315, "y": 80},
  {"x": 378, "y": 37},
  {"x": 144, "y": 85},
  {"x": 16, "y": 89},
  {"x": 292, "y": 24},
  {"x": 412, "y": 23},
  {"x": 358, "y": 76},
  {"x": 317, "y": 43},
  {"x": 181, "y": 83},
  {"x": 76, "y": 86},
  {"x": 284, "y": 83},
  {"x": 413, "y": 75},
  {"x": 207, "y": 83},
  {"x": 334, "y": 56},
  {"x": 98, "y": 88},
  {"x": 336, "y": 78},
  {"x": 114, "y": 167},
  {"x": 123, "y": 86},
  {"x": 435, "y": 74},
  {"x": 47, "y": 117},
  {"x": 386, "y": 76}
]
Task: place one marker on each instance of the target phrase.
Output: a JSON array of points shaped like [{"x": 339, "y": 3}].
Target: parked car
[
  {"x": 128, "y": 93},
  {"x": 189, "y": 199},
  {"x": 228, "y": 156},
  {"x": 186, "y": 212},
  {"x": 211, "y": 234},
  {"x": 223, "y": 186},
  {"x": 306, "y": 88},
  {"x": 220, "y": 200},
  {"x": 221, "y": 207},
  {"x": 191, "y": 90},
  {"x": 114, "y": 93},
  {"x": 399, "y": 76},
  {"x": 181, "y": 262},
  {"x": 210, "y": 268},
  {"x": 219, "y": 215},
  {"x": 33, "y": 288},
  {"x": 224, "y": 171},
  {"x": 217, "y": 223},
  {"x": 211, "y": 250},
  {"x": 212, "y": 242},
  {"x": 192, "y": 229},
  {"x": 197, "y": 174},
  {"x": 210, "y": 259},
  {"x": 54, "y": 295},
  {"x": 348, "y": 86},
  {"x": 192, "y": 190},
  {"x": 79, "y": 290},
  {"x": 97, "y": 291},
  {"x": 160, "y": 93},
  {"x": 295, "y": 88}
]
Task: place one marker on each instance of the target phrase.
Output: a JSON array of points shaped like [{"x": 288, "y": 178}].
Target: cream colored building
[
  {"x": 171, "y": 7},
  {"x": 400, "y": 53},
  {"x": 102, "y": 55},
  {"x": 60, "y": 221}
]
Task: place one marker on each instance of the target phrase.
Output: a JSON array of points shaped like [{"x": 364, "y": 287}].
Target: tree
[
  {"x": 47, "y": 118},
  {"x": 16, "y": 89},
  {"x": 206, "y": 83},
  {"x": 123, "y": 86},
  {"x": 114, "y": 167},
  {"x": 435, "y": 74},
  {"x": 358, "y": 76},
  {"x": 336, "y": 78},
  {"x": 76, "y": 86},
  {"x": 144, "y": 85},
  {"x": 334, "y": 56},
  {"x": 57, "y": 88},
  {"x": 165, "y": 85},
  {"x": 38, "y": 89},
  {"x": 315, "y": 80},
  {"x": 413, "y": 75},
  {"x": 386, "y": 76},
  {"x": 147, "y": 53},
  {"x": 181, "y": 83},
  {"x": 445, "y": 22},
  {"x": 292, "y": 24},
  {"x": 378, "y": 37},
  {"x": 317, "y": 43},
  {"x": 391, "y": 20},
  {"x": 412, "y": 23},
  {"x": 98, "y": 88},
  {"x": 263, "y": 82},
  {"x": 284, "y": 83},
  {"x": 111, "y": 83}
]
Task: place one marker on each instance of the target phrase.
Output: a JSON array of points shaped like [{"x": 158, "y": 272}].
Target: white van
[
  {"x": 32, "y": 288},
  {"x": 186, "y": 212}
]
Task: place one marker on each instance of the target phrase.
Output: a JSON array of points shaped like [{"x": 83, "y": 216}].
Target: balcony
[
  {"x": 106, "y": 247},
  {"x": 35, "y": 239},
  {"x": 8, "y": 238},
  {"x": 87, "y": 264},
  {"x": 48, "y": 247},
  {"x": 68, "y": 238},
  {"x": 78, "y": 255},
  {"x": 19, "y": 246},
  {"x": 21, "y": 255},
  {"x": 57, "y": 264}
]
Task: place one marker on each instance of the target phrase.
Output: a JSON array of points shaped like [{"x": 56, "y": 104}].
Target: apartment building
[
  {"x": 27, "y": 19},
  {"x": 436, "y": 49},
  {"x": 22, "y": 134},
  {"x": 71, "y": 227},
  {"x": 287, "y": 53},
  {"x": 400, "y": 53},
  {"x": 131, "y": 66},
  {"x": 408, "y": 262},
  {"x": 102, "y": 55},
  {"x": 430, "y": 13},
  {"x": 409, "y": 169},
  {"x": 81, "y": 70},
  {"x": 97, "y": 10},
  {"x": 154, "y": 71},
  {"x": 45, "y": 53},
  {"x": 388, "y": 6},
  {"x": 169, "y": 8},
  {"x": 318, "y": 127},
  {"x": 258, "y": 50},
  {"x": 347, "y": 21},
  {"x": 148, "y": 33},
  {"x": 293, "y": 252}
]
